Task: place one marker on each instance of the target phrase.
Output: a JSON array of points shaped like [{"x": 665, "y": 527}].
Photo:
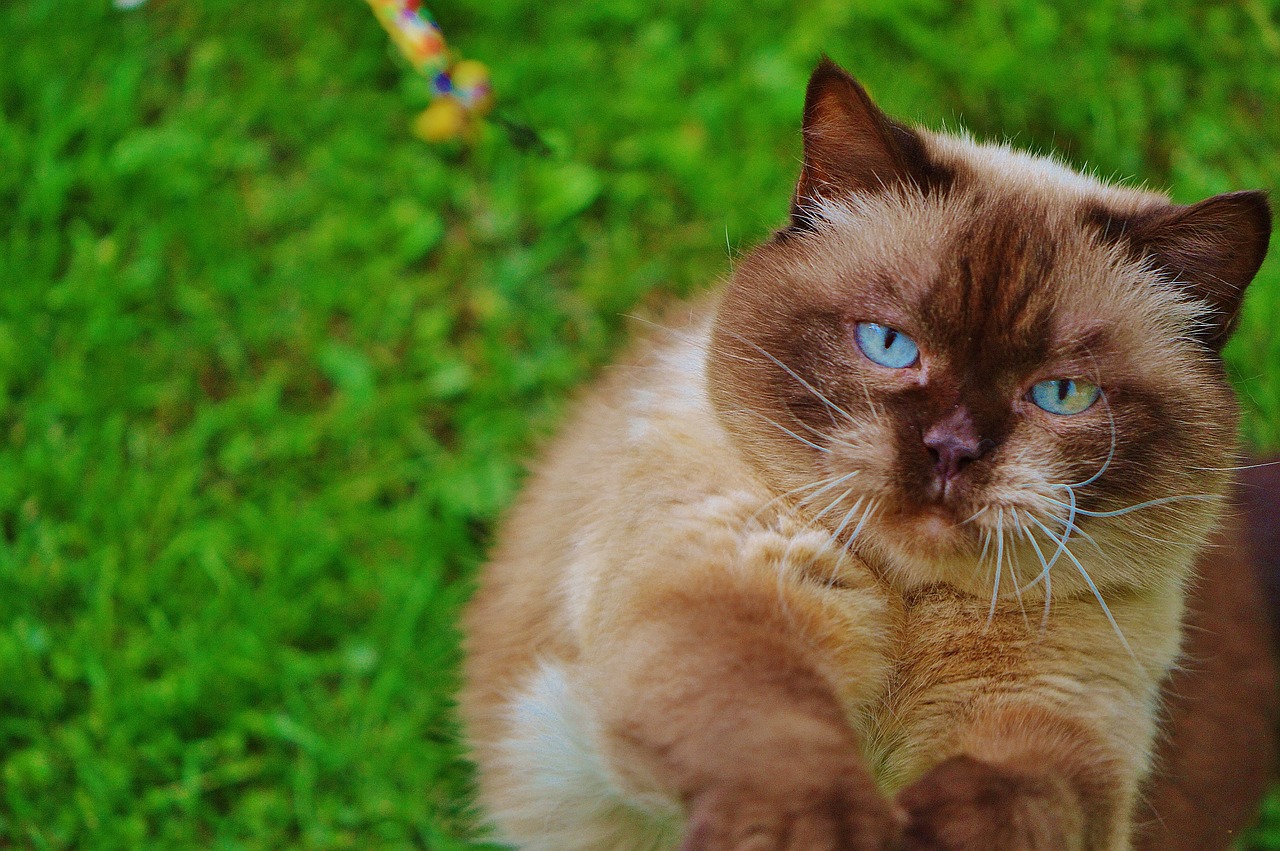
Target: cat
[{"x": 886, "y": 543}]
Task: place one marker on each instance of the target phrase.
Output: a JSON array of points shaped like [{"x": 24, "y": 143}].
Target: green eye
[{"x": 1065, "y": 396}]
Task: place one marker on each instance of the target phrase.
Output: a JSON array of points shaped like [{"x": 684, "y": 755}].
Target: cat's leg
[
  {"x": 1025, "y": 781},
  {"x": 720, "y": 691},
  {"x": 714, "y": 678},
  {"x": 1027, "y": 741}
]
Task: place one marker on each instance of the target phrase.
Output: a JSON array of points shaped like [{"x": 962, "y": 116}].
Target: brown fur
[
  {"x": 765, "y": 593},
  {"x": 1218, "y": 746}
]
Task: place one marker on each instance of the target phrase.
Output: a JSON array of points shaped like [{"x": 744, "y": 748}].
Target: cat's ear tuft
[
  {"x": 1213, "y": 248},
  {"x": 851, "y": 146}
]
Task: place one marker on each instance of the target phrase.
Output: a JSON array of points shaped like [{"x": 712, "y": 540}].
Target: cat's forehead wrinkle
[{"x": 991, "y": 298}]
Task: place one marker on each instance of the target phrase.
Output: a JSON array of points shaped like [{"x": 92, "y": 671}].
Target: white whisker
[
  {"x": 841, "y": 498},
  {"x": 1079, "y": 533},
  {"x": 866, "y": 515},
  {"x": 833, "y": 481},
  {"x": 986, "y": 544},
  {"x": 832, "y": 406},
  {"x": 845, "y": 522},
  {"x": 1111, "y": 453},
  {"x": 1234, "y": 469},
  {"x": 1013, "y": 567},
  {"x": 995, "y": 586},
  {"x": 1092, "y": 587},
  {"x": 1164, "y": 500},
  {"x": 1044, "y": 574},
  {"x": 1070, "y": 524},
  {"x": 785, "y": 430},
  {"x": 833, "y": 484}
]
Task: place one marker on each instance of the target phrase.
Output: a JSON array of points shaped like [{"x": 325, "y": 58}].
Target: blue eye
[
  {"x": 1065, "y": 396},
  {"x": 886, "y": 346}
]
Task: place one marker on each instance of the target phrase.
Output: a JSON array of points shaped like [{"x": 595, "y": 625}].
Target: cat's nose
[{"x": 953, "y": 443}]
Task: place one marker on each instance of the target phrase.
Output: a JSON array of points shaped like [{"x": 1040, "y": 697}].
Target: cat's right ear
[{"x": 851, "y": 146}]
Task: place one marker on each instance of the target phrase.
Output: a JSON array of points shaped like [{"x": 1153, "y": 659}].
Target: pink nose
[{"x": 953, "y": 443}]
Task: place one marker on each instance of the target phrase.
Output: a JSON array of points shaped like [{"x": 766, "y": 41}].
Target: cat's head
[{"x": 957, "y": 347}]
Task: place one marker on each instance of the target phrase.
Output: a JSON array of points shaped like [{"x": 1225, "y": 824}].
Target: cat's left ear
[{"x": 1212, "y": 248}]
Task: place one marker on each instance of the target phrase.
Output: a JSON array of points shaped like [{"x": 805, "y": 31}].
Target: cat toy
[{"x": 460, "y": 91}]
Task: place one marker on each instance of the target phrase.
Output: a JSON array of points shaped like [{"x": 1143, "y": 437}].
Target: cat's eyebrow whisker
[
  {"x": 832, "y": 406},
  {"x": 1092, "y": 587}
]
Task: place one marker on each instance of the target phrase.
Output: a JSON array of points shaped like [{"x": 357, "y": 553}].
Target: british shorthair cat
[{"x": 887, "y": 543}]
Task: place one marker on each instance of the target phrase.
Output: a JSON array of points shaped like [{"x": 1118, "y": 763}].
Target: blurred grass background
[{"x": 269, "y": 365}]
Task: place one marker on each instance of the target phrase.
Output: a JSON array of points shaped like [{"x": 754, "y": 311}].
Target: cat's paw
[
  {"x": 847, "y": 813},
  {"x": 965, "y": 804}
]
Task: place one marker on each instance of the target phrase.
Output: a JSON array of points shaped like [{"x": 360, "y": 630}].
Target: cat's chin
[
  {"x": 926, "y": 545},
  {"x": 930, "y": 532}
]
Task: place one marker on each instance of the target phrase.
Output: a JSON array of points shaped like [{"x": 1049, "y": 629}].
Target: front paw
[
  {"x": 840, "y": 812},
  {"x": 965, "y": 804}
]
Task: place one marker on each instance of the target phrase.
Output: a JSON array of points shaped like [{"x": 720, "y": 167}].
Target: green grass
[{"x": 269, "y": 365}]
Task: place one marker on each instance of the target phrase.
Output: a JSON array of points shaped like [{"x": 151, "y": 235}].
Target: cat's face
[{"x": 960, "y": 354}]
